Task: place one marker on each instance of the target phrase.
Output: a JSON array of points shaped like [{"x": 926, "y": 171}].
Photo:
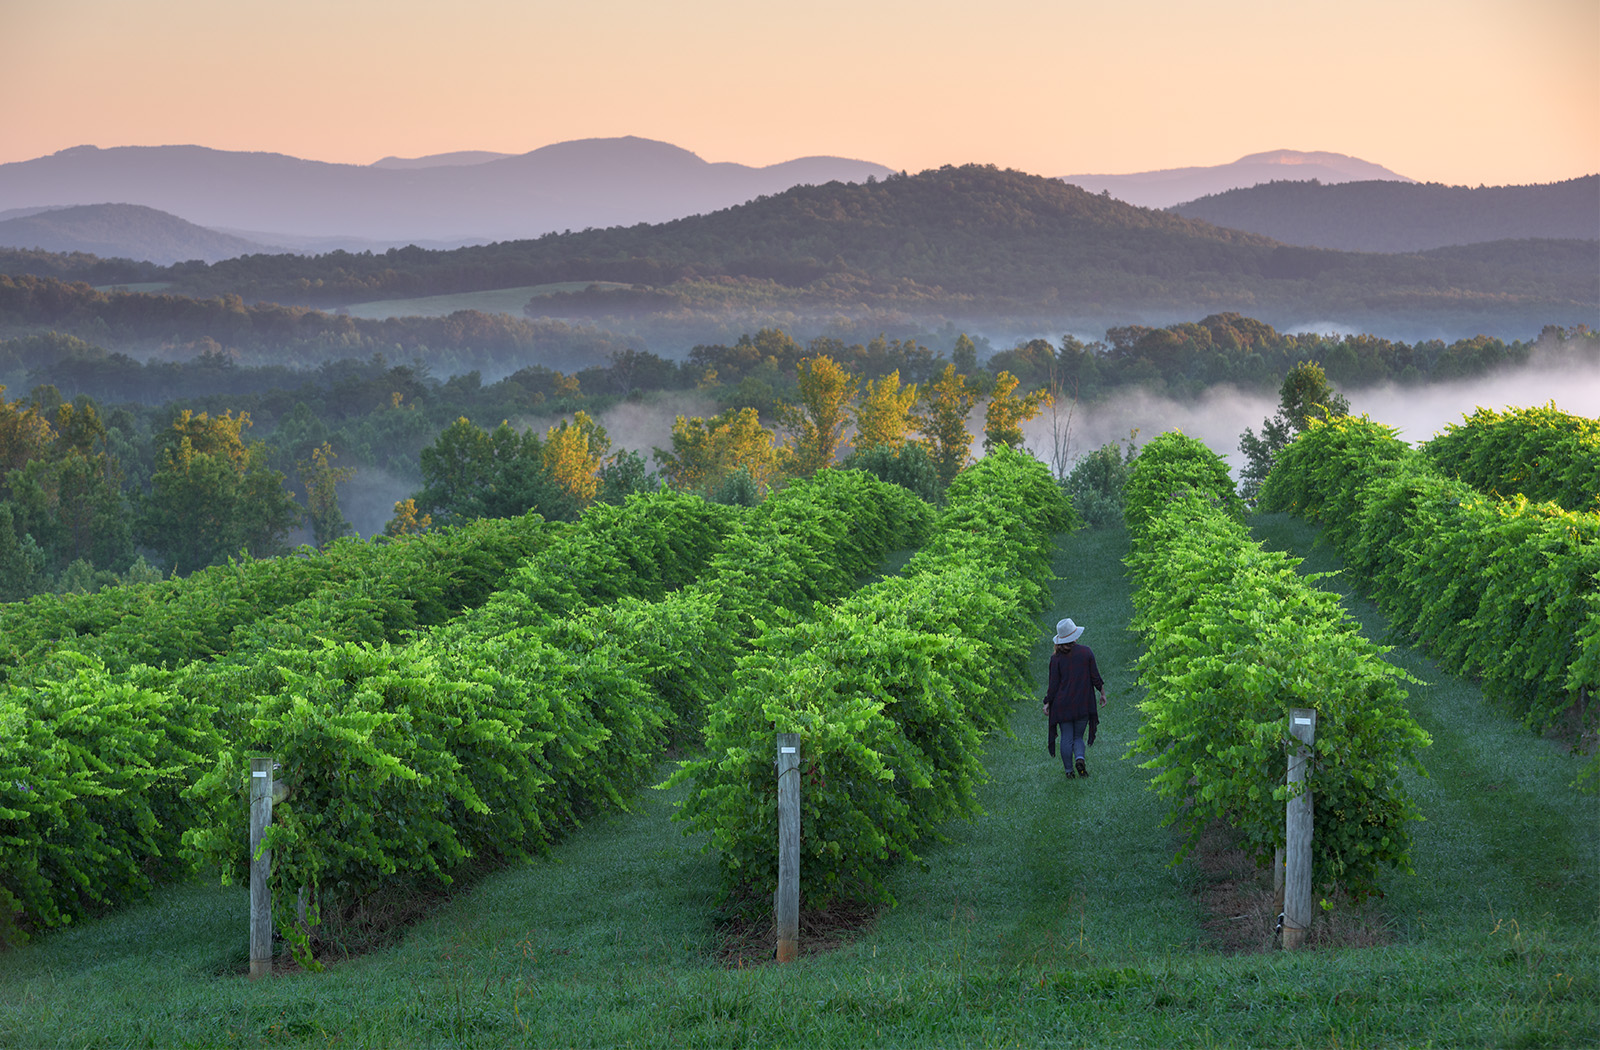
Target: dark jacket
[{"x": 1074, "y": 680}]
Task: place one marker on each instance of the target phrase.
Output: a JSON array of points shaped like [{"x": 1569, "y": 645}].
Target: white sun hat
[{"x": 1067, "y": 631}]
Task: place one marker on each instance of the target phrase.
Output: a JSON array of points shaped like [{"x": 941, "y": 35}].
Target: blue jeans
[{"x": 1075, "y": 749}]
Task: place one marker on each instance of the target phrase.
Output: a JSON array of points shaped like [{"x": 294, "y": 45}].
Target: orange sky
[{"x": 1454, "y": 91}]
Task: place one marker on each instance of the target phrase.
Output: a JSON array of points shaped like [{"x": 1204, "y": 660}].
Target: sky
[{"x": 1464, "y": 92}]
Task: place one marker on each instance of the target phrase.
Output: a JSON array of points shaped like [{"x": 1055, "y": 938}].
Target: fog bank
[{"x": 1419, "y": 413}]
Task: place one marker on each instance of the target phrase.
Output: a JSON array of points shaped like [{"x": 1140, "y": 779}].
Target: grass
[
  {"x": 495, "y": 301},
  {"x": 147, "y": 287},
  {"x": 1052, "y": 920}
]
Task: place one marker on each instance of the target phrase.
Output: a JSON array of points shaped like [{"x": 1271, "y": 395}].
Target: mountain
[
  {"x": 122, "y": 231},
  {"x": 953, "y": 242},
  {"x": 1170, "y": 186},
  {"x": 1404, "y": 217},
  {"x": 570, "y": 185},
  {"x": 958, "y": 233},
  {"x": 973, "y": 246},
  {"x": 460, "y": 158}
]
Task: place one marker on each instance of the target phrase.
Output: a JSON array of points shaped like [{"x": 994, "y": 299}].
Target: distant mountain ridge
[
  {"x": 974, "y": 245},
  {"x": 569, "y": 185},
  {"x": 1170, "y": 186},
  {"x": 968, "y": 241},
  {"x": 460, "y": 158},
  {"x": 123, "y": 231},
  {"x": 1404, "y": 217}
]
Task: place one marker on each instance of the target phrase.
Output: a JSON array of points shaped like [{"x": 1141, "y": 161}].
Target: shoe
[
  {"x": 1083, "y": 770},
  {"x": 1071, "y": 775}
]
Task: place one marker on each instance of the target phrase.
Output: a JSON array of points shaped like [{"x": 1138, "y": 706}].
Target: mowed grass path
[{"x": 1053, "y": 920}]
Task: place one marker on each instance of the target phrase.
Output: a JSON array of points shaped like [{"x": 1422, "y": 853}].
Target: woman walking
[{"x": 1069, "y": 700}]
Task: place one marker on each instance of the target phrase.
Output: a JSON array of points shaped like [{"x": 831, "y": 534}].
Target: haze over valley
[{"x": 505, "y": 256}]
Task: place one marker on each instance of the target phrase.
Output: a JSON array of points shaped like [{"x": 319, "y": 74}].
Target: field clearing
[
  {"x": 144, "y": 287},
  {"x": 1054, "y": 919},
  {"x": 494, "y": 301}
]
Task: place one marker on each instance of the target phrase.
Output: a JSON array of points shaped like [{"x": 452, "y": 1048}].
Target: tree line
[{"x": 95, "y": 486}]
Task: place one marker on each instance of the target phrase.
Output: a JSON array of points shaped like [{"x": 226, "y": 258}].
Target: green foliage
[
  {"x": 649, "y": 546},
  {"x": 1306, "y": 394},
  {"x": 1498, "y": 588},
  {"x": 469, "y": 473},
  {"x": 60, "y": 496},
  {"x": 737, "y": 488},
  {"x": 214, "y": 496},
  {"x": 484, "y": 739},
  {"x": 1235, "y": 638},
  {"x": 91, "y": 772},
  {"x": 355, "y": 590},
  {"x": 1096, "y": 484},
  {"x": 321, "y": 481},
  {"x": 1171, "y": 467},
  {"x": 1541, "y": 453},
  {"x": 909, "y": 465},
  {"x": 626, "y": 474},
  {"x": 891, "y": 690},
  {"x": 948, "y": 400},
  {"x": 402, "y": 764}
]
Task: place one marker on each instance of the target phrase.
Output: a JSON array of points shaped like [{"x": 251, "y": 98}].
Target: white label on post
[
  {"x": 1302, "y": 721},
  {"x": 787, "y": 750},
  {"x": 262, "y": 773}
]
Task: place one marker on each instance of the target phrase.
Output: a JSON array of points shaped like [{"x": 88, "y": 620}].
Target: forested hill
[
  {"x": 122, "y": 230},
  {"x": 953, "y": 242},
  {"x": 1404, "y": 217},
  {"x": 971, "y": 232}
]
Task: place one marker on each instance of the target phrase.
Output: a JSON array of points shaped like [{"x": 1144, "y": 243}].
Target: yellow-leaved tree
[
  {"x": 949, "y": 402},
  {"x": 706, "y": 452},
  {"x": 1006, "y": 412},
  {"x": 820, "y": 413},
  {"x": 885, "y": 414},
  {"x": 574, "y": 452}
]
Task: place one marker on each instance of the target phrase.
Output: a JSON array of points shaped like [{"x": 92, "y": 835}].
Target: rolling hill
[
  {"x": 123, "y": 231},
  {"x": 954, "y": 240},
  {"x": 974, "y": 243},
  {"x": 1404, "y": 217},
  {"x": 1170, "y": 186}
]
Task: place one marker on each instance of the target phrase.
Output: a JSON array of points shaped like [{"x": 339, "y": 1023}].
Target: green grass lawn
[
  {"x": 495, "y": 301},
  {"x": 1053, "y": 920}
]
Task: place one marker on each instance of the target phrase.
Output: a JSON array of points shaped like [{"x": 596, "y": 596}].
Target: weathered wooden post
[
  {"x": 1297, "y": 833},
  {"x": 260, "y": 868},
  {"x": 787, "y": 904}
]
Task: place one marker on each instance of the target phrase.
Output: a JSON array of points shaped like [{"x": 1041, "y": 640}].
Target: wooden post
[
  {"x": 1297, "y": 833},
  {"x": 260, "y": 868},
  {"x": 787, "y": 904},
  {"x": 1277, "y": 881}
]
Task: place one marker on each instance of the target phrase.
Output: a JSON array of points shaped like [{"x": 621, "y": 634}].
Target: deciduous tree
[
  {"x": 321, "y": 480},
  {"x": 949, "y": 402},
  {"x": 884, "y": 415},
  {"x": 1305, "y": 394},
  {"x": 213, "y": 496},
  {"x": 1006, "y": 412},
  {"x": 574, "y": 454},
  {"x": 820, "y": 413},
  {"x": 704, "y": 452}
]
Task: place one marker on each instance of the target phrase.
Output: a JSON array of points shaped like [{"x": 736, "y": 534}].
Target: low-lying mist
[
  {"x": 1418, "y": 413},
  {"x": 1217, "y": 418}
]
